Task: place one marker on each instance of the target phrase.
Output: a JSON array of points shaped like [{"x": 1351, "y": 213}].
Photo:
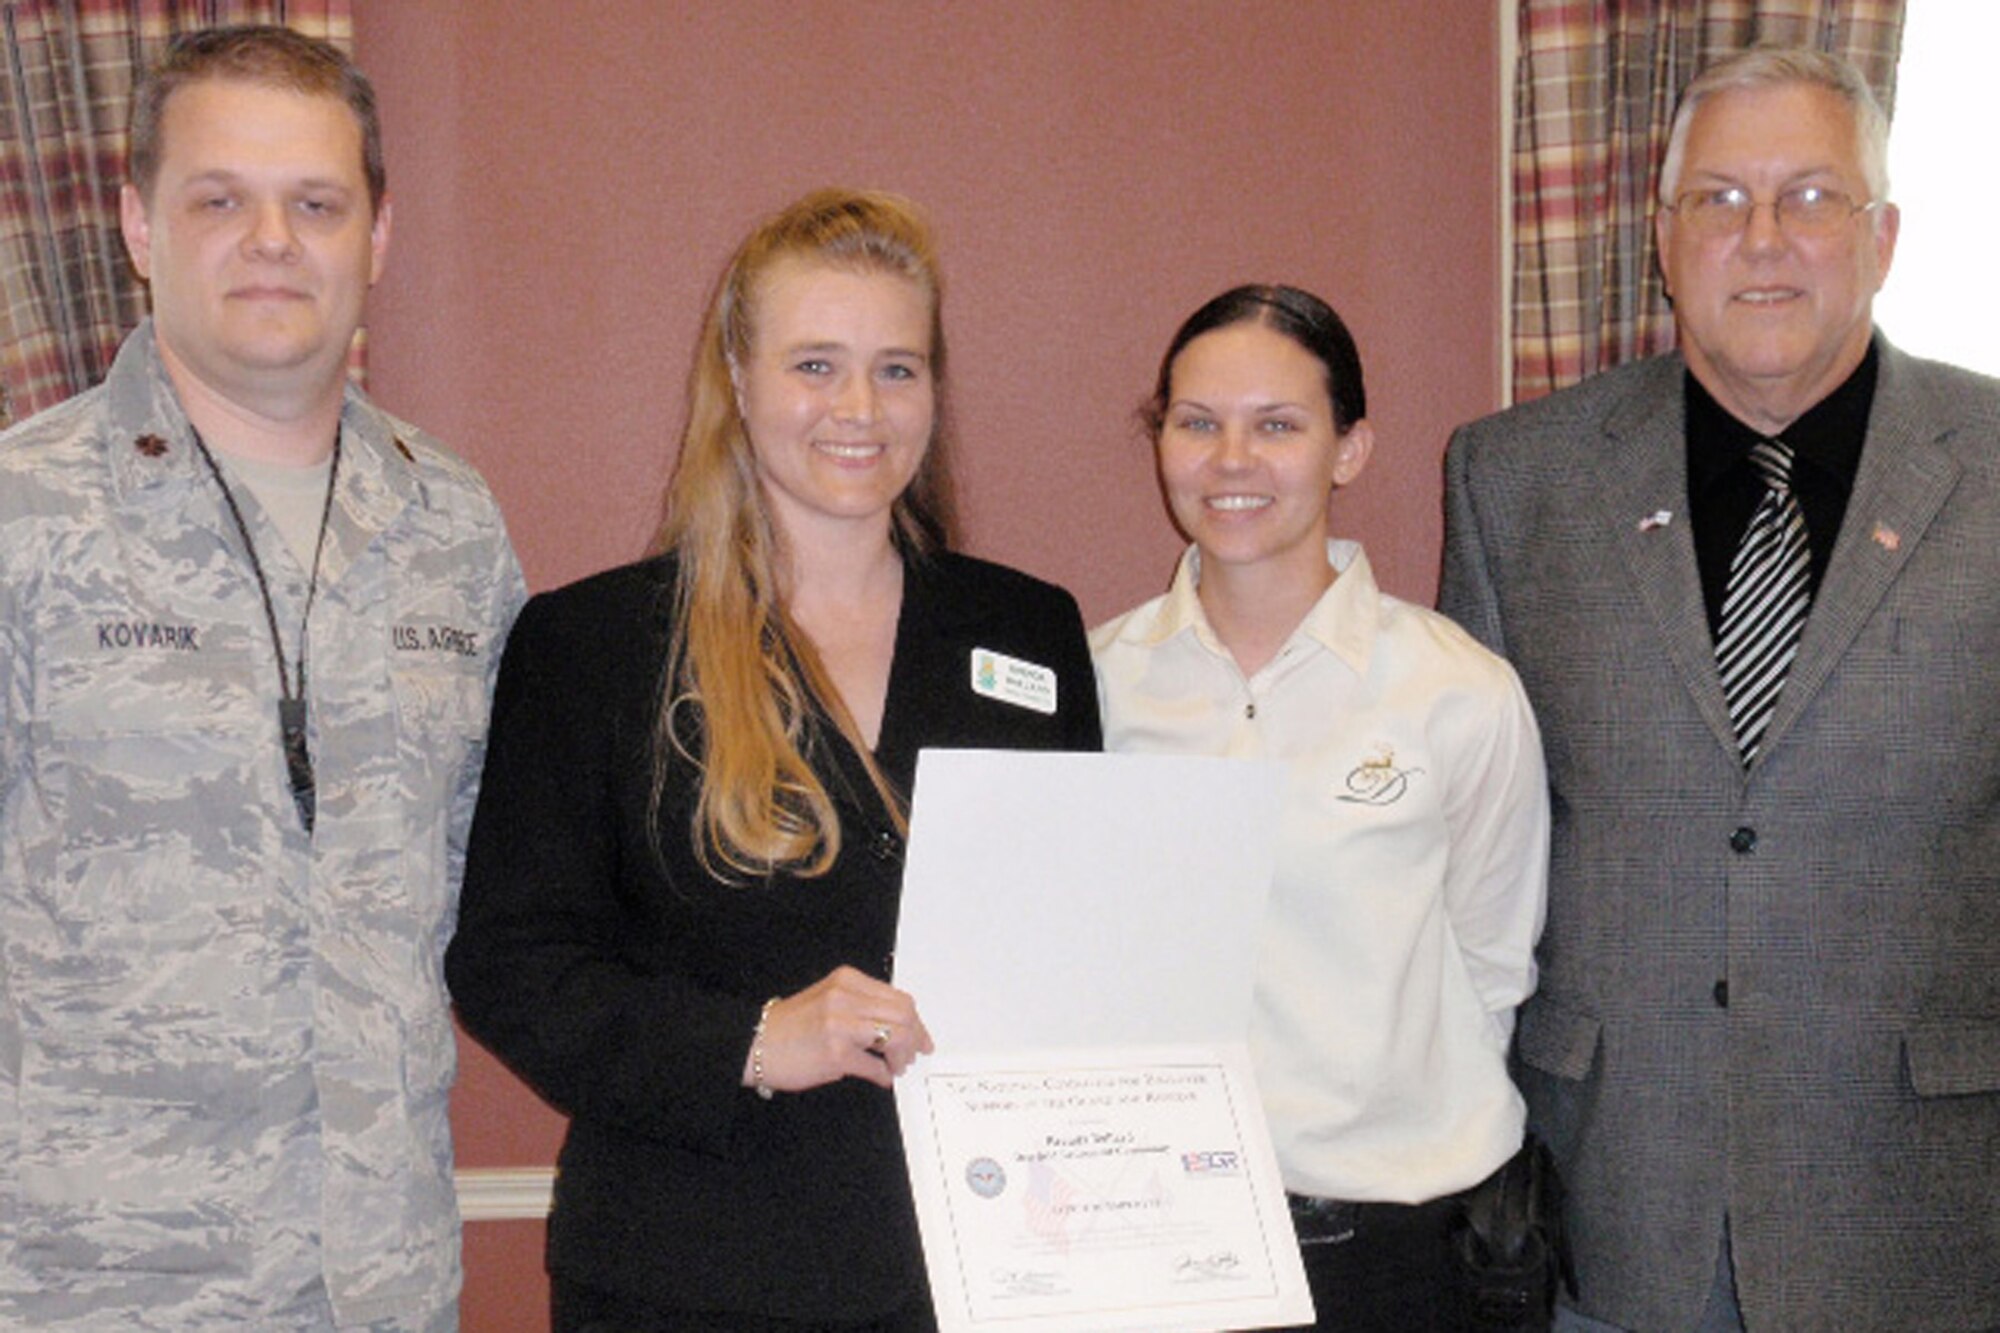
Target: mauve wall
[{"x": 569, "y": 179}]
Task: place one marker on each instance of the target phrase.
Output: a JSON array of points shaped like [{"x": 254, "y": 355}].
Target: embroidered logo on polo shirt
[
  {"x": 1012, "y": 681},
  {"x": 1376, "y": 780}
]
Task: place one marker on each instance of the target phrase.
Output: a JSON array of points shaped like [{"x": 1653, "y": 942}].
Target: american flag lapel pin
[
  {"x": 1885, "y": 536},
  {"x": 1659, "y": 518}
]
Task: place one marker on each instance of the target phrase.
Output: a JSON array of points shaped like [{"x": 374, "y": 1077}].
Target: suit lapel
[
  {"x": 1903, "y": 480},
  {"x": 1645, "y": 472}
]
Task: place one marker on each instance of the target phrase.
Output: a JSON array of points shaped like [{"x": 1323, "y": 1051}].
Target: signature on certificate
[
  {"x": 1219, "y": 1266},
  {"x": 1026, "y": 1282}
]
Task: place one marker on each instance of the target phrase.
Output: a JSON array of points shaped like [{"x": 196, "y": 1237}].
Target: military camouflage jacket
[{"x": 224, "y": 1045}]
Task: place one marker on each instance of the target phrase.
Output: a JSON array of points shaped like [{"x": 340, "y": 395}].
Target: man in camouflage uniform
[{"x": 248, "y": 626}]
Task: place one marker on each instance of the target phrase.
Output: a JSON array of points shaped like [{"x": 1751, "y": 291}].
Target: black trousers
[
  {"x": 576, "y": 1308},
  {"x": 1379, "y": 1267}
]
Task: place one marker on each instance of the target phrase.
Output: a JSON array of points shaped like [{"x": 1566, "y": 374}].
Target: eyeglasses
[{"x": 1803, "y": 210}]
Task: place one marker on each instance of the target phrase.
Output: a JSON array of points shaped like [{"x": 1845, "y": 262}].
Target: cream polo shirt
[{"x": 1411, "y": 873}]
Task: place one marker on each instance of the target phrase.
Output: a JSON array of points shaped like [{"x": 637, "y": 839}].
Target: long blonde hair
[{"x": 737, "y": 667}]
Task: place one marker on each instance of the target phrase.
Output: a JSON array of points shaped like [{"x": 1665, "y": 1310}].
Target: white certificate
[{"x": 1086, "y": 1145}]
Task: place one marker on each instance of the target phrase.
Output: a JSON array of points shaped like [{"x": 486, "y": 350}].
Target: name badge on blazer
[{"x": 1012, "y": 681}]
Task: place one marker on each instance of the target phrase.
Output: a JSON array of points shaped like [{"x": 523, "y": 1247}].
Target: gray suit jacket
[{"x": 1771, "y": 994}]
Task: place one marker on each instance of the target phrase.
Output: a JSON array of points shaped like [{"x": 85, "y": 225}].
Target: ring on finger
[{"x": 881, "y": 1042}]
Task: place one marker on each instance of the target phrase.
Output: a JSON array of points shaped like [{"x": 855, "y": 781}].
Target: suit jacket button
[
  {"x": 1743, "y": 841},
  {"x": 1722, "y": 993}
]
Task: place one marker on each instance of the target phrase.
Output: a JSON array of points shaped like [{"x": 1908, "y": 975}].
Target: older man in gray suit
[{"x": 1753, "y": 589}]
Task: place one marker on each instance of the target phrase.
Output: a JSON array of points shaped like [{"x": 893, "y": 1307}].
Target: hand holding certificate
[{"x": 1086, "y": 1146}]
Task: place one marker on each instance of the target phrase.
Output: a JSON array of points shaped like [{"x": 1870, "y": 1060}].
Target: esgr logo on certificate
[{"x": 1212, "y": 1163}]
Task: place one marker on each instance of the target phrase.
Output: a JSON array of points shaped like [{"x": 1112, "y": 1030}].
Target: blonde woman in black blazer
[{"x": 697, "y": 979}]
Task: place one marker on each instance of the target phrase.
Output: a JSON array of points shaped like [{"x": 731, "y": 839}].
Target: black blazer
[{"x": 624, "y": 986}]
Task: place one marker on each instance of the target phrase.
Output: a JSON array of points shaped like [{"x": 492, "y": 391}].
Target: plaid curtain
[
  {"x": 1594, "y": 94},
  {"x": 67, "y": 293}
]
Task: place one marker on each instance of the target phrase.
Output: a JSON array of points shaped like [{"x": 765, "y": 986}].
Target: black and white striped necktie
[{"x": 1764, "y": 608}]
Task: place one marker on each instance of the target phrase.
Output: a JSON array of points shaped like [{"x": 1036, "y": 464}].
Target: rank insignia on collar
[{"x": 152, "y": 446}]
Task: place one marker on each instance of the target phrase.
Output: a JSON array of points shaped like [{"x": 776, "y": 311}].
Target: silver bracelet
[{"x": 757, "y": 1051}]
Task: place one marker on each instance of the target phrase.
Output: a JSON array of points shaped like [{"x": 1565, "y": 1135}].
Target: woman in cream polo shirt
[{"x": 1411, "y": 875}]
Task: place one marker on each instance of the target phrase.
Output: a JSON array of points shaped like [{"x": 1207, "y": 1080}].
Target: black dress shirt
[{"x": 1724, "y": 488}]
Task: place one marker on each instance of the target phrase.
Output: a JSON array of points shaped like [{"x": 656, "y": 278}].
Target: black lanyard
[{"x": 291, "y": 702}]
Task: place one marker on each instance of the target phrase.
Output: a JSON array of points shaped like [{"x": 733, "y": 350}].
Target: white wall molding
[{"x": 504, "y": 1193}]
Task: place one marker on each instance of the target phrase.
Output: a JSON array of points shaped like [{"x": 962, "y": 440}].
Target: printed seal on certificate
[{"x": 986, "y": 1177}]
